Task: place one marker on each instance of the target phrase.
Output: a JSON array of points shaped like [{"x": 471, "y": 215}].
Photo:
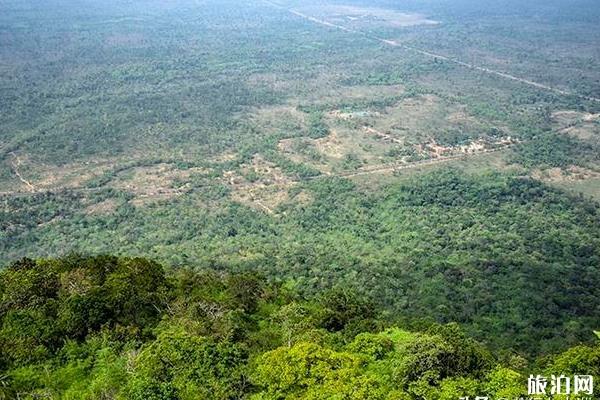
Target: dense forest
[
  {"x": 125, "y": 328},
  {"x": 511, "y": 259},
  {"x": 298, "y": 199}
]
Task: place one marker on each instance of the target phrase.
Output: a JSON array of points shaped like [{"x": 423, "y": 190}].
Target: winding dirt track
[
  {"x": 434, "y": 55},
  {"x": 15, "y": 163}
]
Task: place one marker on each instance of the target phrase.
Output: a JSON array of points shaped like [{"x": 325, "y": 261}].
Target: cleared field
[{"x": 357, "y": 17}]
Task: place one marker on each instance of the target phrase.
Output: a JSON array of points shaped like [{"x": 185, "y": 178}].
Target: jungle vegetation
[
  {"x": 125, "y": 328},
  {"x": 297, "y": 199}
]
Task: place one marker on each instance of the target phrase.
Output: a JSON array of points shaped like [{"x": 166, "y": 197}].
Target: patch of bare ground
[
  {"x": 409, "y": 123},
  {"x": 460, "y": 117},
  {"x": 280, "y": 117},
  {"x": 411, "y": 118},
  {"x": 401, "y": 131},
  {"x": 70, "y": 176},
  {"x": 44, "y": 177},
  {"x": 326, "y": 90},
  {"x": 349, "y": 116},
  {"x": 154, "y": 183},
  {"x": 564, "y": 118},
  {"x": 261, "y": 185},
  {"x": 581, "y": 131},
  {"x": 368, "y": 16},
  {"x": 102, "y": 208},
  {"x": 577, "y": 124},
  {"x": 414, "y": 165},
  {"x": 570, "y": 174},
  {"x": 224, "y": 157},
  {"x": 384, "y": 136},
  {"x": 432, "y": 149},
  {"x": 319, "y": 153},
  {"x": 267, "y": 172},
  {"x": 302, "y": 150},
  {"x": 591, "y": 117},
  {"x": 265, "y": 198},
  {"x": 331, "y": 145}
]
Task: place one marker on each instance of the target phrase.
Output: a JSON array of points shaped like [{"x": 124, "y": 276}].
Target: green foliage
[
  {"x": 505, "y": 383},
  {"x": 181, "y": 365},
  {"x": 512, "y": 261},
  {"x": 227, "y": 336},
  {"x": 346, "y": 310},
  {"x": 555, "y": 150},
  {"x": 309, "y": 371},
  {"x": 293, "y": 321},
  {"x": 42, "y": 302},
  {"x": 316, "y": 126},
  {"x": 578, "y": 360},
  {"x": 374, "y": 346},
  {"x": 442, "y": 247},
  {"x": 455, "y": 388}
]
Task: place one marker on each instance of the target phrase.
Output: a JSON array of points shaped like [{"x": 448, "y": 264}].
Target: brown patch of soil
[
  {"x": 154, "y": 183},
  {"x": 266, "y": 191},
  {"x": 570, "y": 174},
  {"x": 103, "y": 208},
  {"x": 330, "y": 146}
]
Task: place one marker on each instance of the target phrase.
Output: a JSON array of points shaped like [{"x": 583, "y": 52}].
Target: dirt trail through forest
[{"x": 15, "y": 163}]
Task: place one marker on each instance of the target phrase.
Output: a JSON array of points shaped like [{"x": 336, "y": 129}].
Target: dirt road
[
  {"x": 434, "y": 55},
  {"x": 15, "y": 163}
]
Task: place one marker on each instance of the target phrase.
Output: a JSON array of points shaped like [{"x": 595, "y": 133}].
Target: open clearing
[{"x": 367, "y": 16}]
